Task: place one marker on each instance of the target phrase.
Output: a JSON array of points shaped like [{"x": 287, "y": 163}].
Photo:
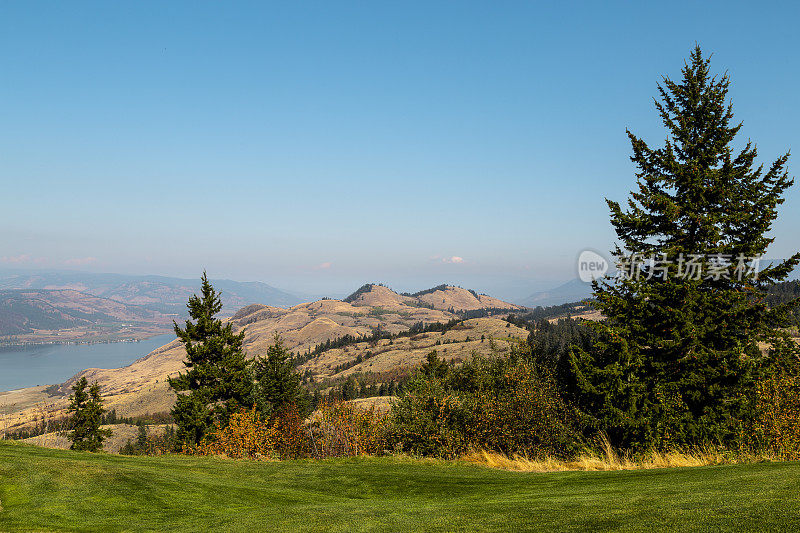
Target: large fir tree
[
  {"x": 679, "y": 353},
  {"x": 87, "y": 416},
  {"x": 219, "y": 379}
]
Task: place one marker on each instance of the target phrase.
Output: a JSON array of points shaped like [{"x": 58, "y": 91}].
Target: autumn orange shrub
[
  {"x": 343, "y": 429},
  {"x": 247, "y": 435},
  {"x": 778, "y": 422},
  {"x": 290, "y": 436}
]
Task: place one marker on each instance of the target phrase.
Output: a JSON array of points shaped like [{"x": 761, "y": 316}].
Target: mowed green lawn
[{"x": 43, "y": 489}]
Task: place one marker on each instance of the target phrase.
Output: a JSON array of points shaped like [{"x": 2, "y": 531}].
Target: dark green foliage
[
  {"x": 423, "y": 292},
  {"x": 109, "y": 418},
  {"x": 277, "y": 382},
  {"x": 467, "y": 314},
  {"x": 551, "y": 343},
  {"x": 501, "y": 404},
  {"x": 677, "y": 359},
  {"x": 347, "y": 365},
  {"x": 129, "y": 449},
  {"x": 361, "y": 385},
  {"x": 141, "y": 438},
  {"x": 139, "y": 446},
  {"x": 41, "y": 428},
  {"x": 783, "y": 293},
  {"x": 553, "y": 311},
  {"x": 349, "y": 389},
  {"x": 218, "y": 380},
  {"x": 86, "y": 410},
  {"x": 163, "y": 417},
  {"x": 434, "y": 368},
  {"x": 150, "y": 444}
]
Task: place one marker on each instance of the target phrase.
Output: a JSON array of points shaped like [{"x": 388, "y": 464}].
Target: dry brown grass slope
[
  {"x": 481, "y": 336},
  {"x": 463, "y": 300},
  {"x": 379, "y": 296}
]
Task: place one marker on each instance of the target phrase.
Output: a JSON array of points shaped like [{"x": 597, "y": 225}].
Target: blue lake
[{"x": 28, "y": 366}]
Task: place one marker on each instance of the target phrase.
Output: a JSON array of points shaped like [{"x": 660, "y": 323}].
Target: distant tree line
[
  {"x": 361, "y": 290},
  {"x": 467, "y": 314},
  {"x": 782, "y": 293},
  {"x": 426, "y": 291},
  {"x": 355, "y": 387},
  {"x": 147, "y": 443},
  {"x": 553, "y": 311}
]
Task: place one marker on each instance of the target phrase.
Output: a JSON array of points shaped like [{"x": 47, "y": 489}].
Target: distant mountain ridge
[
  {"x": 158, "y": 293},
  {"x": 571, "y": 291},
  {"x": 47, "y": 315}
]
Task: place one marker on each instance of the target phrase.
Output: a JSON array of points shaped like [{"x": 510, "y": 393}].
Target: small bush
[
  {"x": 343, "y": 429},
  {"x": 778, "y": 422},
  {"x": 247, "y": 435},
  {"x": 289, "y": 434}
]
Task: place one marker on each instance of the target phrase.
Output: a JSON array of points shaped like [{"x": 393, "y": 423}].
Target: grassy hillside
[
  {"x": 458, "y": 343},
  {"x": 43, "y": 489},
  {"x": 38, "y": 315}
]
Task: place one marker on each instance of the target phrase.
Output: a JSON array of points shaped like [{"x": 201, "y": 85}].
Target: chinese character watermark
[{"x": 697, "y": 267}]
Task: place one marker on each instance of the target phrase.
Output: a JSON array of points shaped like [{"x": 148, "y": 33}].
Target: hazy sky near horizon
[{"x": 318, "y": 145}]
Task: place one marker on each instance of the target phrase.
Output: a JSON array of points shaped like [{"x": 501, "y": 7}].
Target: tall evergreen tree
[
  {"x": 141, "y": 437},
  {"x": 278, "y": 384},
  {"x": 87, "y": 416},
  {"x": 218, "y": 380},
  {"x": 679, "y": 353}
]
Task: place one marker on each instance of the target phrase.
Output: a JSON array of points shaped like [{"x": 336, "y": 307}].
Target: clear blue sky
[{"x": 315, "y": 146}]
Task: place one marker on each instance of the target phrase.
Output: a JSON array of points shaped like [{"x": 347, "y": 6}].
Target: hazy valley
[{"x": 61, "y": 307}]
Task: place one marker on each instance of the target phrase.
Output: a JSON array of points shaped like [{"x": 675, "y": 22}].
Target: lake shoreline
[
  {"x": 78, "y": 342},
  {"x": 32, "y": 365},
  {"x": 63, "y": 343}
]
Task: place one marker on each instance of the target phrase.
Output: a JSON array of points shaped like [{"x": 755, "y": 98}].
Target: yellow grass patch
[
  {"x": 587, "y": 462},
  {"x": 608, "y": 459}
]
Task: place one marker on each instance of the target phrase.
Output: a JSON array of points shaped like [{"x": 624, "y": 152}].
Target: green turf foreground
[{"x": 43, "y": 489}]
